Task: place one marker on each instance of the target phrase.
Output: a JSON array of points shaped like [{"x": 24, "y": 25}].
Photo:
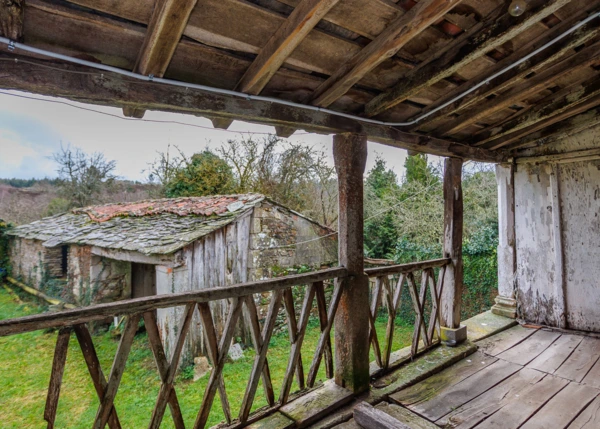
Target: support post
[
  {"x": 352, "y": 317},
  {"x": 452, "y": 332},
  {"x": 506, "y": 303}
]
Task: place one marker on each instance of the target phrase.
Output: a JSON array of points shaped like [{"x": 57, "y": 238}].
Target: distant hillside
[{"x": 24, "y": 201}]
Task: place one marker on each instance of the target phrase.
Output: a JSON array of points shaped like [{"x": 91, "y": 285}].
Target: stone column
[
  {"x": 506, "y": 304},
  {"x": 352, "y": 318}
]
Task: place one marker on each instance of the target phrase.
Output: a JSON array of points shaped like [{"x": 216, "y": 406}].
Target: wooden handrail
[
  {"x": 407, "y": 268},
  {"x": 140, "y": 305}
]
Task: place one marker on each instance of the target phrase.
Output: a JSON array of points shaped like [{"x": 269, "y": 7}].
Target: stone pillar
[
  {"x": 352, "y": 317},
  {"x": 506, "y": 304},
  {"x": 452, "y": 332}
]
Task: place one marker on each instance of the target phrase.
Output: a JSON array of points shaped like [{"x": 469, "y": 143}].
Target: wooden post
[
  {"x": 453, "y": 229},
  {"x": 352, "y": 318},
  {"x": 506, "y": 305}
]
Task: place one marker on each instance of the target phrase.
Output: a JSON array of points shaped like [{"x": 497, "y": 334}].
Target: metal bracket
[
  {"x": 150, "y": 77},
  {"x": 11, "y": 45}
]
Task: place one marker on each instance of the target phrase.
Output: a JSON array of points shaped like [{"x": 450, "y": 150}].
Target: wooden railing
[
  {"x": 240, "y": 297},
  {"x": 389, "y": 281}
]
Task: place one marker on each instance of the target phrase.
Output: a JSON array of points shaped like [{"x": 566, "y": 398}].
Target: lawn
[{"x": 26, "y": 362}]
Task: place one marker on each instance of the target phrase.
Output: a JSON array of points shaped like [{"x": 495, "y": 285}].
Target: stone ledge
[{"x": 486, "y": 324}]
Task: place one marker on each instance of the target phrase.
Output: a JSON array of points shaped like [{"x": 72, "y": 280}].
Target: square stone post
[
  {"x": 352, "y": 317},
  {"x": 506, "y": 304},
  {"x": 452, "y": 332}
]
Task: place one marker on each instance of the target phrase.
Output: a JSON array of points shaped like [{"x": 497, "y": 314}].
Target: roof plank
[
  {"x": 11, "y": 19},
  {"x": 496, "y": 29},
  {"x": 165, "y": 29},
  {"x": 283, "y": 42},
  {"x": 390, "y": 41}
]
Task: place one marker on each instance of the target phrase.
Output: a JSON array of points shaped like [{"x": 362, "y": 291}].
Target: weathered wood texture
[
  {"x": 351, "y": 323},
  {"x": 11, "y": 19},
  {"x": 453, "y": 232},
  {"x": 58, "y": 368},
  {"x": 370, "y": 417}
]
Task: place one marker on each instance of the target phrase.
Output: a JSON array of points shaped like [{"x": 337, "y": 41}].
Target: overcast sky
[{"x": 31, "y": 130}]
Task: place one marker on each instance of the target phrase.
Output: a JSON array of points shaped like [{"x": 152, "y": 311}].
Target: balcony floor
[{"x": 519, "y": 378}]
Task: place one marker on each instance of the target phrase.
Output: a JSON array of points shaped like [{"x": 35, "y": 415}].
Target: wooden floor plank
[
  {"x": 532, "y": 347},
  {"x": 557, "y": 353},
  {"x": 432, "y": 386},
  {"x": 473, "y": 412},
  {"x": 593, "y": 376},
  {"x": 589, "y": 418},
  {"x": 496, "y": 344},
  {"x": 447, "y": 399},
  {"x": 404, "y": 415},
  {"x": 581, "y": 360},
  {"x": 563, "y": 407},
  {"x": 519, "y": 410}
]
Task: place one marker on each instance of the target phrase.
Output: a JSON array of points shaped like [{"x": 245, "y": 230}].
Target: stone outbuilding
[{"x": 129, "y": 250}]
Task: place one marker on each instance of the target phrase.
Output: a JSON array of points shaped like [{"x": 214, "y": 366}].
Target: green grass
[{"x": 26, "y": 361}]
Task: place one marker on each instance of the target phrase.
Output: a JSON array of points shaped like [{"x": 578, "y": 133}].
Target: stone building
[{"x": 119, "y": 251}]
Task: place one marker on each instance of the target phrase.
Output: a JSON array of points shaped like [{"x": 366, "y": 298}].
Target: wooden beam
[
  {"x": 352, "y": 317},
  {"x": 11, "y": 19},
  {"x": 453, "y": 231},
  {"x": 532, "y": 65},
  {"x": 283, "y": 42},
  {"x": 284, "y": 132},
  {"x": 496, "y": 29},
  {"x": 551, "y": 106},
  {"x": 390, "y": 41},
  {"x": 524, "y": 89},
  {"x": 221, "y": 123},
  {"x": 165, "y": 29},
  {"x": 112, "y": 90},
  {"x": 369, "y": 417}
]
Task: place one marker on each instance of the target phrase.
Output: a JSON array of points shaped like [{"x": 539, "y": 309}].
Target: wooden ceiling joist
[
  {"x": 283, "y": 42},
  {"x": 112, "y": 90},
  {"x": 495, "y": 30},
  {"x": 390, "y": 41},
  {"x": 524, "y": 89},
  {"x": 11, "y": 19},
  {"x": 165, "y": 29},
  {"x": 221, "y": 123},
  {"x": 534, "y": 64}
]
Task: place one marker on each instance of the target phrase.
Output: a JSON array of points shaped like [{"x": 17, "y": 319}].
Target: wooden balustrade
[{"x": 389, "y": 282}]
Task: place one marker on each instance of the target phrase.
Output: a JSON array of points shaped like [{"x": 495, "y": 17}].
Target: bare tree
[
  {"x": 163, "y": 169},
  {"x": 82, "y": 177}
]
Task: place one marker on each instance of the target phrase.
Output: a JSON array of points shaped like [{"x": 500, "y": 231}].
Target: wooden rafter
[
  {"x": 166, "y": 26},
  {"x": 11, "y": 19},
  {"x": 534, "y": 64},
  {"x": 498, "y": 28},
  {"x": 393, "y": 38},
  {"x": 283, "y": 42},
  {"x": 107, "y": 89},
  {"x": 524, "y": 89}
]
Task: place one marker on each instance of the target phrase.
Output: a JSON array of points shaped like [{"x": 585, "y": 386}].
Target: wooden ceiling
[{"x": 382, "y": 59}]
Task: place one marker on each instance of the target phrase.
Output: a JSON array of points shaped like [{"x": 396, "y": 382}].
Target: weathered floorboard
[
  {"x": 581, "y": 360},
  {"x": 532, "y": 347},
  {"x": 505, "y": 340},
  {"x": 555, "y": 354},
  {"x": 370, "y": 417},
  {"x": 589, "y": 418}
]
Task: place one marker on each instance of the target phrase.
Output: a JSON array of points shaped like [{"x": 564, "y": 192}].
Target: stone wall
[
  {"x": 281, "y": 239},
  {"x": 27, "y": 260},
  {"x": 78, "y": 271},
  {"x": 110, "y": 280}
]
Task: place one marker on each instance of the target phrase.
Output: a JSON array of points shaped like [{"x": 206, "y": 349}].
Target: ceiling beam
[
  {"x": 390, "y": 41},
  {"x": 549, "y": 107},
  {"x": 496, "y": 29},
  {"x": 11, "y": 19},
  {"x": 526, "y": 88},
  {"x": 532, "y": 65},
  {"x": 283, "y": 42},
  {"x": 512, "y": 140},
  {"x": 165, "y": 29},
  {"x": 105, "y": 88}
]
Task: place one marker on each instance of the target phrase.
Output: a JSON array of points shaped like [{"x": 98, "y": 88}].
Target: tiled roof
[{"x": 150, "y": 227}]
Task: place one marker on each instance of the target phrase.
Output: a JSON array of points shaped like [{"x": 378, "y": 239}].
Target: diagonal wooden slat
[
  {"x": 258, "y": 342},
  {"x": 282, "y": 43},
  {"x": 91, "y": 359},
  {"x": 325, "y": 337},
  {"x": 422, "y": 304},
  {"x": 372, "y": 315},
  {"x": 58, "y": 368},
  {"x": 496, "y": 29},
  {"x": 435, "y": 316},
  {"x": 162, "y": 364},
  {"x": 396, "y": 35},
  {"x": 322, "y": 309},
  {"x": 116, "y": 371},
  {"x": 419, "y": 321},
  {"x": 389, "y": 331},
  {"x": 260, "y": 360},
  {"x": 213, "y": 353},
  {"x": 166, "y": 387},
  {"x": 295, "y": 358},
  {"x": 219, "y": 363},
  {"x": 288, "y": 299}
]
